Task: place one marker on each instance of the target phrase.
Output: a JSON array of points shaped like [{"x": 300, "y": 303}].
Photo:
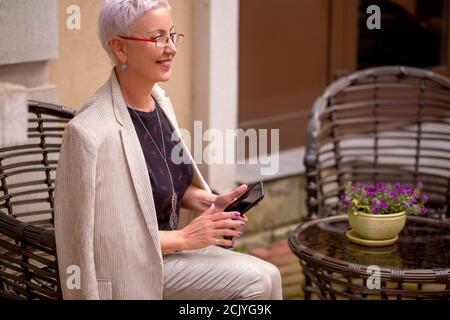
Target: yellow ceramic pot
[{"x": 377, "y": 226}]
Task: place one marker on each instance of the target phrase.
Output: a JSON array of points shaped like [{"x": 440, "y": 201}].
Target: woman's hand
[
  {"x": 197, "y": 199},
  {"x": 210, "y": 227},
  {"x": 225, "y": 200}
]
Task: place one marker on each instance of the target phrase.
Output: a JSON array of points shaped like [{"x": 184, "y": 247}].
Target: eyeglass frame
[{"x": 157, "y": 40}]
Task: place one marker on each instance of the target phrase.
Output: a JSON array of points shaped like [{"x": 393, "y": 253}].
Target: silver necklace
[{"x": 173, "y": 215}]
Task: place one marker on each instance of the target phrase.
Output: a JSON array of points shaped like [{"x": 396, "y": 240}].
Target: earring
[{"x": 124, "y": 67}]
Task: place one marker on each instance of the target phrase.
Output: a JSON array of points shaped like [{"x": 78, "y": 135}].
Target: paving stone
[{"x": 284, "y": 204}]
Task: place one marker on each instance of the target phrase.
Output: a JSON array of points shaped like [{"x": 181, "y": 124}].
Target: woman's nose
[{"x": 171, "y": 48}]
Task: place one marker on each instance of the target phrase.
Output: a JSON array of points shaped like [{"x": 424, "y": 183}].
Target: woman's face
[{"x": 145, "y": 58}]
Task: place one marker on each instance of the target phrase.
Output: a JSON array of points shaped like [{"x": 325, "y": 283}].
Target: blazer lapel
[{"x": 136, "y": 162}]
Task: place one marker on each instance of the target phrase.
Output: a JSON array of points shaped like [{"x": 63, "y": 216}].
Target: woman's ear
[{"x": 119, "y": 49}]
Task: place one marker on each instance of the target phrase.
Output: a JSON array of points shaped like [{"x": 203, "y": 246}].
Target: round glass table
[{"x": 416, "y": 266}]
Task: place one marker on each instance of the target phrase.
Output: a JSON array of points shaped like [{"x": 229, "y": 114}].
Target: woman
[{"x": 118, "y": 194}]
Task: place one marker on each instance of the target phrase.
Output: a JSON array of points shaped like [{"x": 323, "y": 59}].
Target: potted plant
[{"x": 377, "y": 212}]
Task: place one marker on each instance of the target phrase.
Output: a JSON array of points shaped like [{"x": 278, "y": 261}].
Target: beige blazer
[{"x": 106, "y": 228}]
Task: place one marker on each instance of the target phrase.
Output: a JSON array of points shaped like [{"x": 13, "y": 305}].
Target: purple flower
[
  {"x": 406, "y": 191},
  {"x": 347, "y": 204},
  {"x": 423, "y": 209},
  {"x": 358, "y": 186},
  {"x": 383, "y": 198},
  {"x": 381, "y": 186}
]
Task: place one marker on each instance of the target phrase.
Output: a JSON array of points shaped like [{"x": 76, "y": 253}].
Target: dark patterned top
[{"x": 182, "y": 174}]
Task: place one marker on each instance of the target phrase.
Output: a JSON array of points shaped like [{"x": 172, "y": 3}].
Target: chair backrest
[
  {"x": 386, "y": 124},
  {"x": 28, "y": 266}
]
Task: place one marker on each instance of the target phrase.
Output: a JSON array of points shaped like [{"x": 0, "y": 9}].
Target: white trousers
[{"x": 215, "y": 273}]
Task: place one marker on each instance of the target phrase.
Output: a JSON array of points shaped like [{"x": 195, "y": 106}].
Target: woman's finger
[
  {"x": 236, "y": 192},
  {"x": 224, "y": 200},
  {"x": 211, "y": 210},
  {"x": 224, "y": 243},
  {"x": 227, "y": 233},
  {"x": 228, "y": 223},
  {"x": 225, "y": 215}
]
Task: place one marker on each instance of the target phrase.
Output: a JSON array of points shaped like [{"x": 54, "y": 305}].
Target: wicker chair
[
  {"x": 381, "y": 124},
  {"x": 386, "y": 124},
  {"x": 28, "y": 265}
]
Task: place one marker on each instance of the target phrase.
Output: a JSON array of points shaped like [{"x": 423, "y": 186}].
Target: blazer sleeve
[{"x": 74, "y": 214}]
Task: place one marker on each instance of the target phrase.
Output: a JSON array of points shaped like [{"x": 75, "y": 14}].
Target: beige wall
[{"x": 83, "y": 66}]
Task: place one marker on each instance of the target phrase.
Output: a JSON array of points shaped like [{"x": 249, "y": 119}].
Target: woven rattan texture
[{"x": 28, "y": 265}]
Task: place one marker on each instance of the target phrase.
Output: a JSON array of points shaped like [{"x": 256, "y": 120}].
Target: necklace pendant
[
  {"x": 173, "y": 210},
  {"x": 173, "y": 213}
]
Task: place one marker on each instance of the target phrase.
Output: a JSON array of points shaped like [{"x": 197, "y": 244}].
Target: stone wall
[
  {"x": 282, "y": 209},
  {"x": 29, "y": 41}
]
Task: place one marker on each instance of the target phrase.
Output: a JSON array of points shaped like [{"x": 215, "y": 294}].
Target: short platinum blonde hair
[{"x": 117, "y": 16}]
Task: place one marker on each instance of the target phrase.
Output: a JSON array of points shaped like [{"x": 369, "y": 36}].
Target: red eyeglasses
[{"x": 160, "y": 42}]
